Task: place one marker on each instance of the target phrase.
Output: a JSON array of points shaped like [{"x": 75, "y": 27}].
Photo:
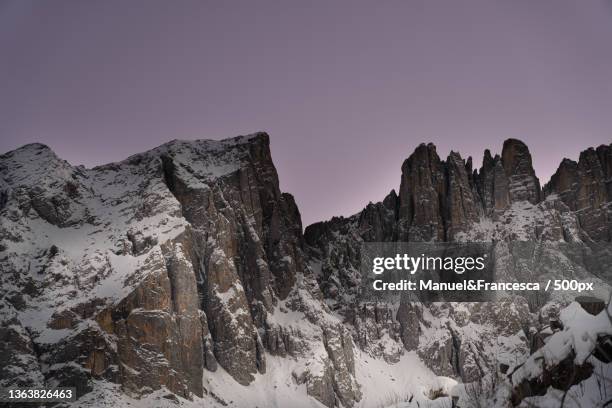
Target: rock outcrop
[
  {"x": 523, "y": 185},
  {"x": 586, "y": 188},
  {"x": 421, "y": 195},
  {"x": 492, "y": 184}
]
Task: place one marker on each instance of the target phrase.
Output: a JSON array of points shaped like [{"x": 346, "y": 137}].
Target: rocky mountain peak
[
  {"x": 45, "y": 184},
  {"x": 586, "y": 187},
  {"x": 422, "y": 184},
  {"x": 487, "y": 159},
  {"x": 523, "y": 185},
  {"x": 437, "y": 198},
  {"x": 503, "y": 180},
  {"x": 176, "y": 245},
  {"x": 30, "y": 149},
  {"x": 30, "y": 162}
]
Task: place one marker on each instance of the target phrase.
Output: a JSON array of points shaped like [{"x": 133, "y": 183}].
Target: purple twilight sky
[{"x": 346, "y": 89}]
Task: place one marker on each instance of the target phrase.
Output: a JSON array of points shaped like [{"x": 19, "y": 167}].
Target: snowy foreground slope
[{"x": 181, "y": 276}]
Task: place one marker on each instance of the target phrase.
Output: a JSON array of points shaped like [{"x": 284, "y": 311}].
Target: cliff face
[
  {"x": 152, "y": 272},
  {"x": 439, "y": 199},
  {"x": 183, "y": 271},
  {"x": 586, "y": 188},
  {"x": 448, "y": 201}
]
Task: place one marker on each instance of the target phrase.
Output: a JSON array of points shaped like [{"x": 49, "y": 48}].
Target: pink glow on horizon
[{"x": 346, "y": 90}]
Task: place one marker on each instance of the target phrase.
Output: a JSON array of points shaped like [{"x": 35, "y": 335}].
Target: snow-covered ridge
[
  {"x": 91, "y": 229},
  {"x": 36, "y": 162}
]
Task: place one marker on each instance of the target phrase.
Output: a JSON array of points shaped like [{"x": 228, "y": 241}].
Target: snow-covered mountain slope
[
  {"x": 181, "y": 276},
  {"x": 536, "y": 235},
  {"x": 167, "y": 270}
]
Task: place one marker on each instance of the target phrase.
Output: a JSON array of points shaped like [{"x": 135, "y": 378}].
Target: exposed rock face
[
  {"x": 19, "y": 361},
  {"x": 523, "y": 185},
  {"x": 339, "y": 346},
  {"x": 437, "y": 199},
  {"x": 374, "y": 324},
  {"x": 152, "y": 271},
  {"x": 158, "y": 326},
  {"x": 410, "y": 317},
  {"x": 422, "y": 191},
  {"x": 492, "y": 184},
  {"x": 249, "y": 237},
  {"x": 185, "y": 270},
  {"x": 440, "y": 201},
  {"x": 586, "y": 188},
  {"x": 463, "y": 206},
  {"x": 241, "y": 246},
  {"x": 507, "y": 179}
]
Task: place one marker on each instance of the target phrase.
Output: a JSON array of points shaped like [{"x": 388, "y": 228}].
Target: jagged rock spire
[
  {"x": 586, "y": 187},
  {"x": 523, "y": 185}
]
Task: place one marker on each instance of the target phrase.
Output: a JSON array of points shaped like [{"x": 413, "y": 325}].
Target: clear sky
[{"x": 346, "y": 89}]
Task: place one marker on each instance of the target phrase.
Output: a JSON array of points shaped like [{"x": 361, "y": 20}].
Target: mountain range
[{"x": 182, "y": 276}]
